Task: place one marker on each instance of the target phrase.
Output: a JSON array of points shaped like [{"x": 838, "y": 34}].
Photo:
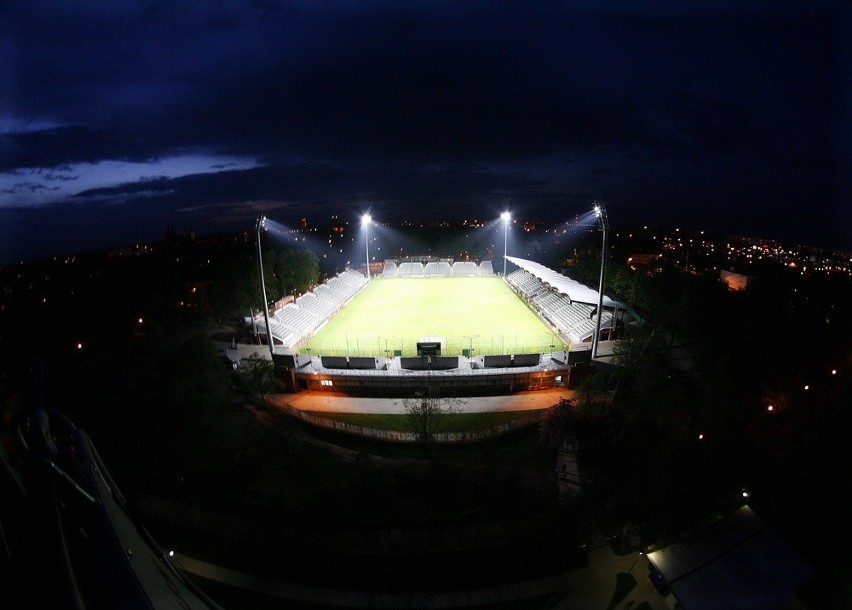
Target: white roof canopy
[{"x": 572, "y": 288}]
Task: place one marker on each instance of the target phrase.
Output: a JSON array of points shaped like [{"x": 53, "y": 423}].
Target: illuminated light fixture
[
  {"x": 603, "y": 225},
  {"x": 506, "y": 217},
  {"x": 366, "y": 219},
  {"x": 261, "y": 224}
]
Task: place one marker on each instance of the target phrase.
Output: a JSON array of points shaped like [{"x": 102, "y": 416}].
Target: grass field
[{"x": 391, "y": 315}]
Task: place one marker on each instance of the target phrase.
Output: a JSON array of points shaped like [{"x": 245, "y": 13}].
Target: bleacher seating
[
  {"x": 390, "y": 269},
  {"x": 572, "y": 319},
  {"x": 465, "y": 269},
  {"x": 586, "y": 329},
  {"x": 437, "y": 269},
  {"x": 515, "y": 277},
  {"x": 298, "y": 320},
  {"x": 353, "y": 279}
]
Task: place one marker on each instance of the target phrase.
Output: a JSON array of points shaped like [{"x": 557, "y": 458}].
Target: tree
[
  {"x": 198, "y": 384},
  {"x": 638, "y": 351},
  {"x": 426, "y": 415},
  {"x": 306, "y": 270},
  {"x": 592, "y": 390},
  {"x": 559, "y": 424},
  {"x": 623, "y": 283},
  {"x": 290, "y": 271},
  {"x": 234, "y": 288},
  {"x": 259, "y": 374}
]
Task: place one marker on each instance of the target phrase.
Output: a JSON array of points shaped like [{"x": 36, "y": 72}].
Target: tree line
[{"x": 715, "y": 392}]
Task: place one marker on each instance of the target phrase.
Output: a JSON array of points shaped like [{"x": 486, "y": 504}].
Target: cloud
[
  {"x": 666, "y": 109},
  {"x": 68, "y": 145},
  {"x": 68, "y": 183}
]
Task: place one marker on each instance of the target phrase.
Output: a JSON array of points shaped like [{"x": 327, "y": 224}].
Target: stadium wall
[{"x": 379, "y": 384}]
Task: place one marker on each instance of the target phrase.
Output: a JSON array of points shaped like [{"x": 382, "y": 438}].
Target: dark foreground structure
[
  {"x": 68, "y": 537},
  {"x": 735, "y": 562}
]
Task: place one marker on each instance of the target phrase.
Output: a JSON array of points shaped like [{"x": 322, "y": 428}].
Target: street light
[
  {"x": 365, "y": 221},
  {"x": 261, "y": 224},
  {"x": 387, "y": 350},
  {"x": 506, "y": 216},
  {"x": 603, "y": 225},
  {"x": 470, "y": 349}
]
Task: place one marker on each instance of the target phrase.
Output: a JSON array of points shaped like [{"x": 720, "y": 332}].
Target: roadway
[{"x": 338, "y": 403}]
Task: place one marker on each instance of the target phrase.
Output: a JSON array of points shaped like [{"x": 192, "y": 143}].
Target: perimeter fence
[{"x": 470, "y": 436}]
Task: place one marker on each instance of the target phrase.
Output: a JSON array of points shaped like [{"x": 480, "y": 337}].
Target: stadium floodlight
[
  {"x": 261, "y": 224},
  {"x": 506, "y": 216},
  {"x": 603, "y": 226},
  {"x": 366, "y": 219}
]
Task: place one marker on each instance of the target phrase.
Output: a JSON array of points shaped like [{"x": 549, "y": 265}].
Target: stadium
[{"x": 440, "y": 327}]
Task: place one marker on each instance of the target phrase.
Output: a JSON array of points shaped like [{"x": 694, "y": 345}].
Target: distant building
[
  {"x": 643, "y": 259},
  {"x": 735, "y": 281}
]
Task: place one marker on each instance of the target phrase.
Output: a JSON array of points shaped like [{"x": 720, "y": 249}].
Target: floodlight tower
[
  {"x": 603, "y": 226},
  {"x": 261, "y": 224},
  {"x": 506, "y": 216},
  {"x": 365, "y": 221}
]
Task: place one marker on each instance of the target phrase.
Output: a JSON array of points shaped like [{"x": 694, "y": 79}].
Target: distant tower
[{"x": 304, "y": 222}]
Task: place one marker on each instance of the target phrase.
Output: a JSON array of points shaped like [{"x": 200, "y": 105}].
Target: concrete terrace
[{"x": 336, "y": 403}]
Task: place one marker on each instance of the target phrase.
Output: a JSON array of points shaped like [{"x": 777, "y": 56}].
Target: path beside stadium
[{"x": 338, "y": 403}]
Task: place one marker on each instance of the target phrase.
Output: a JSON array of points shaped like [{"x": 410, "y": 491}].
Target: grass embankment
[
  {"x": 228, "y": 461},
  {"x": 279, "y": 476},
  {"x": 452, "y": 422}
]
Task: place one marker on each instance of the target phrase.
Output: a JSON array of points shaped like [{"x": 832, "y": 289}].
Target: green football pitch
[{"x": 392, "y": 314}]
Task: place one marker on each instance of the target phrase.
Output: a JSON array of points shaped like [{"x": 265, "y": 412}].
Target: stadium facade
[{"x": 433, "y": 364}]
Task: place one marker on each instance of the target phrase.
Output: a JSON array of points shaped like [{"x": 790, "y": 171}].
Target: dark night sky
[{"x": 119, "y": 119}]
